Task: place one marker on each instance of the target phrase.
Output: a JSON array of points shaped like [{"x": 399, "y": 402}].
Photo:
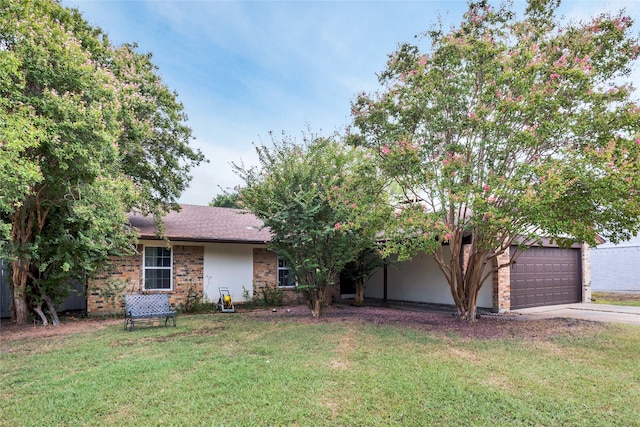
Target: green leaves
[
  {"x": 323, "y": 202},
  {"x": 506, "y": 130},
  {"x": 88, "y": 132}
]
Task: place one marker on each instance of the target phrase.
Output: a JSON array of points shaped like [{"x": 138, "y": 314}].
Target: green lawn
[
  {"x": 616, "y": 298},
  {"x": 233, "y": 370}
]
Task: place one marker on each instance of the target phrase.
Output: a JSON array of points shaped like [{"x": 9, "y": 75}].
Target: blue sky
[{"x": 242, "y": 69}]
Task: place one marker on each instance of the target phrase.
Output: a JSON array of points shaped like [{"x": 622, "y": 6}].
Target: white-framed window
[
  {"x": 157, "y": 269},
  {"x": 285, "y": 275}
]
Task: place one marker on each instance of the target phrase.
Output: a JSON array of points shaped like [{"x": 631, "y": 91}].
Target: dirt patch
[
  {"x": 11, "y": 332},
  {"x": 445, "y": 324}
]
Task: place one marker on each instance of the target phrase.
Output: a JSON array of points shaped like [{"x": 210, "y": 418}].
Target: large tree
[
  {"x": 226, "y": 200},
  {"x": 323, "y": 203},
  {"x": 88, "y": 132},
  {"x": 505, "y": 131}
]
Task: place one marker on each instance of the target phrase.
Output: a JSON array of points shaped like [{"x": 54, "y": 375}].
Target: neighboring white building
[{"x": 616, "y": 268}]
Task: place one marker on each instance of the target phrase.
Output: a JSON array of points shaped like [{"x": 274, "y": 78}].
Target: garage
[{"x": 546, "y": 276}]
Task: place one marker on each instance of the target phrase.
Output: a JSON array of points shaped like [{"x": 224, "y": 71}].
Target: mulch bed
[
  {"x": 445, "y": 323},
  {"x": 440, "y": 323}
]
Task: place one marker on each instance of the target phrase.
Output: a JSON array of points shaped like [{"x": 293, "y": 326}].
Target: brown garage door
[{"x": 546, "y": 276}]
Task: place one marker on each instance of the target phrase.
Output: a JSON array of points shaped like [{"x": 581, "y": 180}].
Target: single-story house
[
  {"x": 614, "y": 267},
  {"x": 210, "y": 247},
  {"x": 542, "y": 275},
  {"x": 204, "y": 248}
]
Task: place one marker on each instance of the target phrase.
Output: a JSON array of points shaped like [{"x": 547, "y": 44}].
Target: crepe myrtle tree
[
  {"x": 362, "y": 268},
  {"x": 323, "y": 202},
  {"x": 504, "y": 131},
  {"x": 88, "y": 132}
]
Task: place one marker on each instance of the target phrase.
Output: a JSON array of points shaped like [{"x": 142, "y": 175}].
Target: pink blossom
[
  {"x": 353, "y": 205},
  {"x": 386, "y": 149},
  {"x": 554, "y": 76},
  {"x": 472, "y": 115},
  {"x": 486, "y": 187},
  {"x": 423, "y": 60},
  {"x": 338, "y": 226},
  {"x": 447, "y": 236}
]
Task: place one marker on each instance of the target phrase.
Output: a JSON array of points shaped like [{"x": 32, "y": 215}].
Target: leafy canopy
[
  {"x": 511, "y": 127},
  {"x": 507, "y": 130},
  {"x": 317, "y": 199},
  {"x": 88, "y": 132}
]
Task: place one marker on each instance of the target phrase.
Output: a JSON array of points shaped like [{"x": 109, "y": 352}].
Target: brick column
[
  {"x": 265, "y": 270},
  {"x": 265, "y": 275},
  {"x": 502, "y": 284},
  {"x": 586, "y": 272},
  {"x": 188, "y": 273},
  {"x": 466, "y": 255}
]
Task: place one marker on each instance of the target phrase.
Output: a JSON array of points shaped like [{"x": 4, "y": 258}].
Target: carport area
[{"x": 585, "y": 311}]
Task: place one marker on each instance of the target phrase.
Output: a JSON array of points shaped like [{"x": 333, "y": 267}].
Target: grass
[
  {"x": 232, "y": 370},
  {"x": 616, "y": 298}
]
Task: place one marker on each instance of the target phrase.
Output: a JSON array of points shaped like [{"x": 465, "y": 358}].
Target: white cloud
[{"x": 243, "y": 69}]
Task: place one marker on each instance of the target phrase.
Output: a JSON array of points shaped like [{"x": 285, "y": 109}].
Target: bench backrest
[{"x": 137, "y": 305}]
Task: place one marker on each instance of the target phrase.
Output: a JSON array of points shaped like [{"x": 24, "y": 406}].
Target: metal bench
[{"x": 147, "y": 307}]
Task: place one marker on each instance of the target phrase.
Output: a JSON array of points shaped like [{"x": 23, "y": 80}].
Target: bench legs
[
  {"x": 172, "y": 318},
  {"x": 129, "y": 323}
]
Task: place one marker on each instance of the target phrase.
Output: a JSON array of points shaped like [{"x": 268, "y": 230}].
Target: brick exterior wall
[
  {"x": 502, "y": 284},
  {"x": 265, "y": 275},
  {"x": 125, "y": 277},
  {"x": 188, "y": 273}
]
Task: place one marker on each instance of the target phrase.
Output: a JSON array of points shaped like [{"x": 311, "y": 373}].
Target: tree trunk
[
  {"x": 360, "y": 287},
  {"x": 52, "y": 309},
  {"x": 467, "y": 304},
  {"x": 19, "y": 281},
  {"x": 316, "y": 302},
  {"x": 316, "y": 309},
  {"x": 38, "y": 309}
]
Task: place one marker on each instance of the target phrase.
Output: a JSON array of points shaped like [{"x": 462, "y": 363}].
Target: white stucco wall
[
  {"x": 420, "y": 280},
  {"x": 227, "y": 265}
]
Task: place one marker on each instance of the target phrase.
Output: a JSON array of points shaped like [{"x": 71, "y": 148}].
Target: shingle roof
[{"x": 205, "y": 224}]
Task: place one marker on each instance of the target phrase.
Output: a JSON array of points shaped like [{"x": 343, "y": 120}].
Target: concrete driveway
[{"x": 586, "y": 311}]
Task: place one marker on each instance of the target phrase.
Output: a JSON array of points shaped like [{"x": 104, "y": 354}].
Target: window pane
[
  {"x": 157, "y": 279},
  {"x": 282, "y": 278},
  {"x": 157, "y": 263},
  {"x": 157, "y": 257}
]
